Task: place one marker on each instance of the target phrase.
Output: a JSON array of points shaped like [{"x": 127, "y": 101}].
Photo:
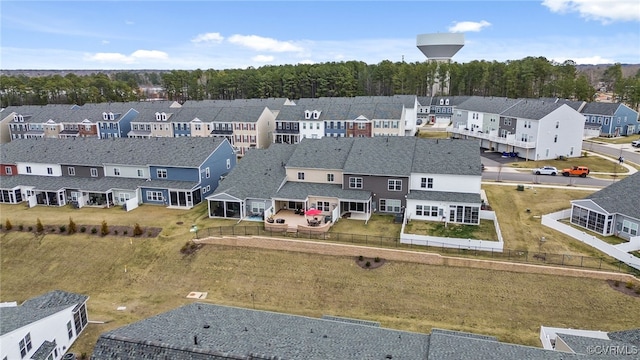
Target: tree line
[{"x": 531, "y": 77}]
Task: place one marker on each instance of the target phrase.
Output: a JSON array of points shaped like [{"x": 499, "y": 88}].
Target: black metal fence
[{"x": 530, "y": 257}]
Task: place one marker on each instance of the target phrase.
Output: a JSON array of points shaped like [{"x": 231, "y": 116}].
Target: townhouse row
[
  {"x": 536, "y": 129},
  {"x": 173, "y": 172},
  {"x": 422, "y": 179}
]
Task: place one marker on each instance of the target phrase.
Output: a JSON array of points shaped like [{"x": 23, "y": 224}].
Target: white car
[
  {"x": 545, "y": 170},
  {"x": 635, "y": 143}
]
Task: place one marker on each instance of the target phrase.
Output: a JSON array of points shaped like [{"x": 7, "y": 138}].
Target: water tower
[{"x": 439, "y": 48}]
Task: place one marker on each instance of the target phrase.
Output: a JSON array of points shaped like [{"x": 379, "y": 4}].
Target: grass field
[
  {"x": 405, "y": 296},
  {"x": 617, "y": 140},
  {"x": 484, "y": 231},
  {"x": 593, "y": 162}
]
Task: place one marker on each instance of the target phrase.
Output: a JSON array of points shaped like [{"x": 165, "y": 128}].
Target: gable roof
[
  {"x": 621, "y": 197},
  {"x": 447, "y": 156},
  {"x": 382, "y": 155},
  {"x": 324, "y": 153},
  {"x": 37, "y": 308},
  {"x": 258, "y": 175},
  {"x": 600, "y": 108},
  {"x": 531, "y": 109},
  {"x": 166, "y": 151}
]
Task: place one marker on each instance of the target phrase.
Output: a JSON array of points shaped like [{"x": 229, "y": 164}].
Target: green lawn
[
  {"x": 593, "y": 162},
  {"x": 484, "y": 231},
  {"x": 617, "y": 140}
]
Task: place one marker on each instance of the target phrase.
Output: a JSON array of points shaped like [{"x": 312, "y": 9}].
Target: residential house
[
  {"x": 356, "y": 177},
  {"x": 613, "y": 210},
  {"x": 445, "y": 185},
  {"x": 527, "y": 128},
  {"x": 177, "y": 172},
  {"x": 623, "y": 344},
  {"x": 438, "y": 110},
  {"x": 43, "y": 327},
  {"x": 115, "y": 119},
  {"x": 612, "y": 119},
  {"x": 16, "y": 123},
  {"x": 252, "y": 126},
  {"x": 208, "y": 331},
  {"x": 246, "y": 192}
]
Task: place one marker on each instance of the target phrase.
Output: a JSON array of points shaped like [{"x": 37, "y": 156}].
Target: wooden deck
[{"x": 295, "y": 222}]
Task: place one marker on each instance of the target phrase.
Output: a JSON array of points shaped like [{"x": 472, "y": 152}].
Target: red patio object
[{"x": 313, "y": 212}]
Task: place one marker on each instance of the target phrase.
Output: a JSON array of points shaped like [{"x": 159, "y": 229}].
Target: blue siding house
[
  {"x": 614, "y": 119},
  {"x": 114, "y": 124}
]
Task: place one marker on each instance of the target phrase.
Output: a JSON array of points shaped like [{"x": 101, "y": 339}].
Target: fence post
[{"x": 581, "y": 260}]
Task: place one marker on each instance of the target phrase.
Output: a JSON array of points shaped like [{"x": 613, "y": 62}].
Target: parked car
[
  {"x": 581, "y": 171},
  {"x": 545, "y": 170},
  {"x": 635, "y": 143}
]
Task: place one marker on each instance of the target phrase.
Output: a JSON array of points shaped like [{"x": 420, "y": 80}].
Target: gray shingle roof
[
  {"x": 324, "y": 153},
  {"x": 600, "y": 108},
  {"x": 294, "y": 190},
  {"x": 44, "y": 350},
  {"x": 179, "y": 152},
  {"x": 37, "y": 308},
  {"x": 620, "y": 197},
  {"x": 389, "y": 155},
  {"x": 258, "y": 175},
  {"x": 447, "y": 156},
  {"x": 205, "y": 331},
  {"x": 492, "y": 105},
  {"x": 444, "y": 196},
  {"x": 531, "y": 109},
  {"x": 238, "y": 333},
  {"x": 629, "y": 336}
]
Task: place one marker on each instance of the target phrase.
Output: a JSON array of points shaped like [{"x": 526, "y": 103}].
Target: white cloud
[
  {"x": 307, "y": 62},
  {"x": 586, "y": 60},
  {"x": 605, "y": 11},
  {"x": 208, "y": 38},
  {"x": 105, "y": 42},
  {"x": 468, "y": 26},
  {"x": 150, "y": 54},
  {"x": 263, "y": 58},
  {"x": 260, "y": 43},
  {"x": 144, "y": 55}
]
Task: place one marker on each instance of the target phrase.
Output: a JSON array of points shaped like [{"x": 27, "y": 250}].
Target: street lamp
[{"x": 194, "y": 229}]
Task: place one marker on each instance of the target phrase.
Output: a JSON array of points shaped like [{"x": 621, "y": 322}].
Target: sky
[{"x": 189, "y": 35}]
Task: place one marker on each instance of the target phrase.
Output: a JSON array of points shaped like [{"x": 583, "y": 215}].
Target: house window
[
  {"x": 629, "y": 227},
  {"x": 355, "y": 183},
  {"x": 154, "y": 196},
  {"x": 419, "y": 210},
  {"x": 116, "y": 171},
  {"x": 69, "y": 330},
  {"x": 361, "y": 126},
  {"x": 140, "y": 173},
  {"x": 162, "y": 173},
  {"x": 606, "y": 121},
  {"x": 228, "y": 163},
  {"x": 394, "y": 185},
  {"x": 94, "y": 172},
  {"x": 50, "y": 171},
  {"x": 207, "y": 173},
  {"x": 23, "y": 348},
  {"x": 555, "y": 139},
  {"x": 423, "y": 183},
  {"x": 8, "y": 170},
  {"x": 28, "y": 169},
  {"x": 330, "y": 178},
  {"x": 557, "y": 124},
  {"x": 390, "y": 205},
  {"x": 300, "y": 176}
]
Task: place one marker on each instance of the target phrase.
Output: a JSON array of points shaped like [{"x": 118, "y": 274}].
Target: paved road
[{"x": 614, "y": 150}]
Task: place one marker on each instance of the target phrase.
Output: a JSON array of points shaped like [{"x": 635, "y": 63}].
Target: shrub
[
  {"x": 20, "y": 227},
  {"x": 39, "y": 226},
  {"x": 63, "y": 228},
  {"x": 377, "y": 259},
  {"x": 115, "y": 232},
  {"x": 360, "y": 257},
  {"x": 629, "y": 285},
  {"x": 189, "y": 247},
  {"x": 137, "y": 230},
  {"x": 72, "y": 227},
  {"x": 368, "y": 263},
  {"x": 30, "y": 228},
  {"x": 616, "y": 283},
  {"x": 7, "y": 225},
  {"x": 83, "y": 229},
  {"x": 104, "y": 229},
  {"x": 125, "y": 231},
  {"x": 94, "y": 230}
]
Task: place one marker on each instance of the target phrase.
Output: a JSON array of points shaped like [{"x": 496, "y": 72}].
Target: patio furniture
[{"x": 279, "y": 221}]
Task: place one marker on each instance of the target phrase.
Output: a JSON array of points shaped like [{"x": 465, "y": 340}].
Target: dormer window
[
  {"x": 111, "y": 116},
  {"x": 158, "y": 116},
  {"x": 105, "y": 116},
  {"x": 18, "y": 118},
  {"x": 307, "y": 114},
  {"x": 446, "y": 102},
  {"x": 316, "y": 114},
  {"x": 163, "y": 116},
  {"x": 441, "y": 101}
]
